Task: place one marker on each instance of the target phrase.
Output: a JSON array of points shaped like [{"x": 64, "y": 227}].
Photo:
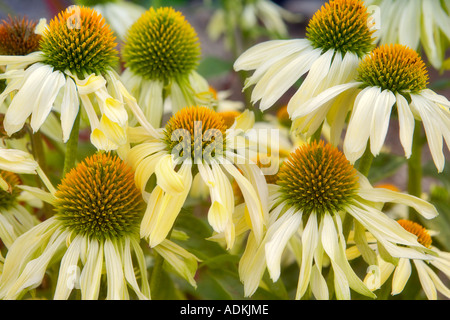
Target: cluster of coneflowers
[{"x": 159, "y": 141}]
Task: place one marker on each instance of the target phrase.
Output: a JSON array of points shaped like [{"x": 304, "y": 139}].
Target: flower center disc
[
  {"x": 161, "y": 45},
  {"x": 423, "y": 237},
  {"x": 17, "y": 37},
  {"x": 98, "y": 198},
  {"x": 341, "y": 25},
  {"x": 317, "y": 177},
  {"x": 79, "y": 40},
  {"x": 394, "y": 67},
  {"x": 197, "y": 131}
]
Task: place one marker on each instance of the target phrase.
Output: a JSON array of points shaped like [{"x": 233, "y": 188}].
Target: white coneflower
[
  {"x": 96, "y": 226},
  {"x": 77, "y": 52},
  {"x": 430, "y": 281},
  {"x": 119, "y": 14},
  {"x": 316, "y": 187},
  {"x": 390, "y": 76},
  {"x": 338, "y": 36},
  {"x": 161, "y": 53},
  {"x": 196, "y": 140},
  {"x": 418, "y": 24}
]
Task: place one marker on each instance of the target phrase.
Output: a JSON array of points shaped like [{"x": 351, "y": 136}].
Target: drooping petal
[
  {"x": 92, "y": 271},
  {"x": 310, "y": 240},
  {"x": 68, "y": 277},
  {"x": 360, "y": 122},
  {"x": 380, "y": 122},
  {"x": 406, "y": 124},
  {"x": 70, "y": 106},
  {"x": 284, "y": 228},
  {"x": 21, "y": 106},
  {"x": 401, "y": 276}
]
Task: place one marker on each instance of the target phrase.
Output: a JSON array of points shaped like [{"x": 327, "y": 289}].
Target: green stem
[
  {"x": 38, "y": 149},
  {"x": 155, "y": 278},
  {"x": 366, "y": 161},
  {"x": 415, "y": 168},
  {"x": 157, "y": 274},
  {"x": 72, "y": 146}
]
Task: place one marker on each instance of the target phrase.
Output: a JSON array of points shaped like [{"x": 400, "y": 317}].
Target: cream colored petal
[
  {"x": 425, "y": 280},
  {"x": 113, "y": 131},
  {"x": 252, "y": 265},
  {"x": 152, "y": 102},
  {"x": 281, "y": 76},
  {"x": 318, "y": 284},
  {"x": 151, "y": 212},
  {"x": 432, "y": 128},
  {"x": 426, "y": 209},
  {"x": 142, "y": 268},
  {"x": 145, "y": 169},
  {"x": 401, "y": 276},
  {"x": 316, "y": 75},
  {"x": 114, "y": 272},
  {"x": 170, "y": 207},
  {"x": 21, "y": 106},
  {"x": 380, "y": 122},
  {"x": 17, "y": 161},
  {"x": 101, "y": 141},
  {"x": 284, "y": 227},
  {"x": 137, "y": 111},
  {"x": 406, "y": 124},
  {"x": 300, "y": 108},
  {"x": 310, "y": 240},
  {"x": 33, "y": 273},
  {"x": 251, "y": 199},
  {"x": 44, "y": 102},
  {"x": 360, "y": 123},
  {"x": 167, "y": 178},
  {"x": 92, "y": 271},
  {"x": 68, "y": 277},
  {"x": 90, "y": 84},
  {"x": 183, "y": 262},
  {"x": 255, "y": 56}
]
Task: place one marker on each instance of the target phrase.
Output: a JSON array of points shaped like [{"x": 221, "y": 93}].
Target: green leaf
[
  {"x": 385, "y": 165},
  {"x": 213, "y": 67}
]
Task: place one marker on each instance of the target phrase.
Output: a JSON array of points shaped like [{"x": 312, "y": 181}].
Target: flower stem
[
  {"x": 415, "y": 168},
  {"x": 366, "y": 161},
  {"x": 72, "y": 146},
  {"x": 155, "y": 277},
  {"x": 157, "y": 274}
]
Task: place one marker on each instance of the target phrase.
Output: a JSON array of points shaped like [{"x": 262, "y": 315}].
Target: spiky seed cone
[
  {"x": 423, "y": 236},
  {"x": 394, "y": 67},
  {"x": 317, "y": 177},
  {"x": 98, "y": 198},
  {"x": 17, "y": 37},
  {"x": 79, "y": 40},
  {"x": 200, "y": 127},
  {"x": 341, "y": 25},
  {"x": 161, "y": 45}
]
